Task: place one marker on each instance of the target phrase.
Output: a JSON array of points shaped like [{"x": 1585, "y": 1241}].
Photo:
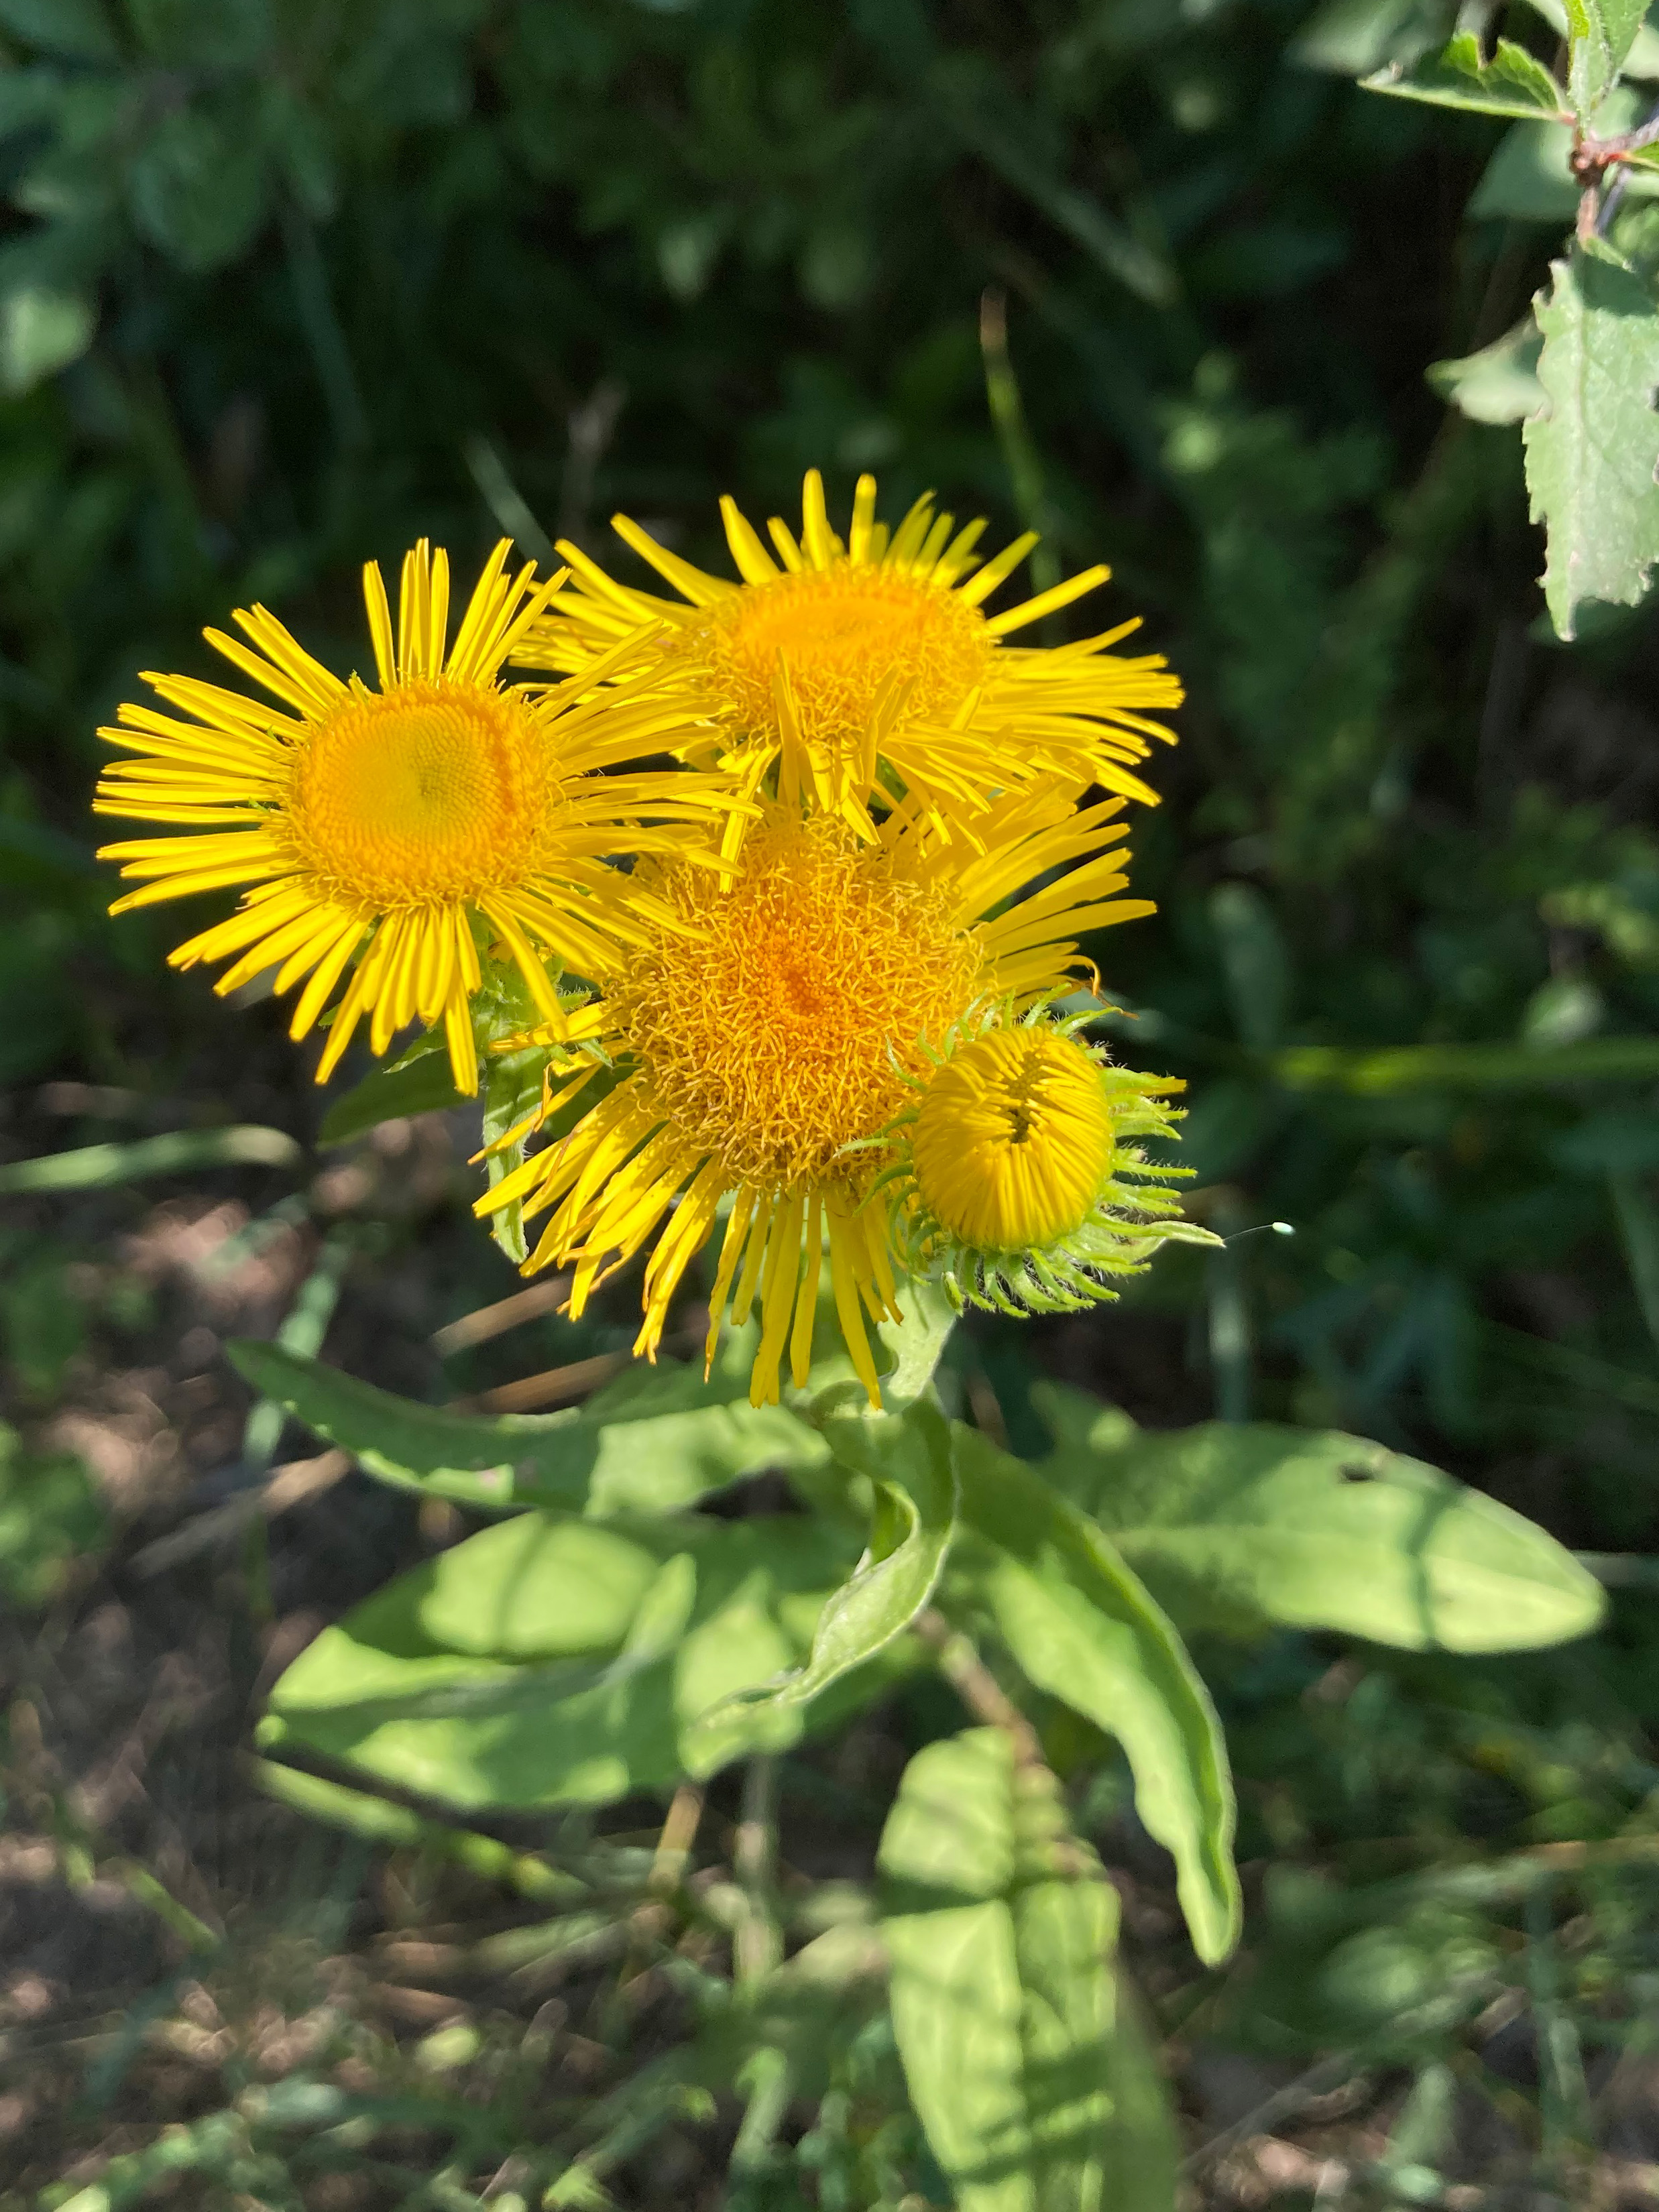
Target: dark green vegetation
[{"x": 286, "y": 285}]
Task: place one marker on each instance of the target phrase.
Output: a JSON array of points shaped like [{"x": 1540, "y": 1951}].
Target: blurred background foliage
[{"x": 285, "y": 284}]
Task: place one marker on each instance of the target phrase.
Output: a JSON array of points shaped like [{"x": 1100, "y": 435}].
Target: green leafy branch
[
  {"x": 1581, "y": 370},
  {"x": 607, "y": 1636}
]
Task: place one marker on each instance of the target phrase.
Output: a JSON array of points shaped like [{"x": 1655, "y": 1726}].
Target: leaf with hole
[{"x": 1243, "y": 1526}]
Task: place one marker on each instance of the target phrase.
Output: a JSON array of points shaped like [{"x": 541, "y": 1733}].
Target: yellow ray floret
[
  {"x": 766, "y": 1040},
  {"x": 856, "y": 668},
  {"x": 1020, "y": 1176},
  {"x": 379, "y": 833}
]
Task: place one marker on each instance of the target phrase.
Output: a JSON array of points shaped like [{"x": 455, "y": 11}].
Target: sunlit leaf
[
  {"x": 653, "y": 1440},
  {"x": 1499, "y": 384},
  {"x": 1512, "y": 83},
  {"x": 1023, "y": 2057},
  {"x": 1395, "y": 1070},
  {"x": 551, "y": 1660},
  {"x": 1600, "y": 33},
  {"x": 1083, "y": 1626},
  {"x": 1243, "y": 1524},
  {"x": 908, "y": 1460}
]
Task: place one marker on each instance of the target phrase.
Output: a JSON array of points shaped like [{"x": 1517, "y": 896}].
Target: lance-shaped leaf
[
  {"x": 908, "y": 1460},
  {"x": 1238, "y": 1525},
  {"x": 654, "y": 1439},
  {"x": 1592, "y": 451},
  {"x": 1083, "y": 1627},
  {"x": 1025, "y": 2060},
  {"x": 1513, "y": 82},
  {"x": 553, "y": 1660},
  {"x": 419, "y": 1082},
  {"x": 1600, "y": 33}
]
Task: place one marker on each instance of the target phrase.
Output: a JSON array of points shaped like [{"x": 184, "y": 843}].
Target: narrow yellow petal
[
  {"x": 380, "y": 624},
  {"x": 754, "y": 564},
  {"x": 1047, "y": 603}
]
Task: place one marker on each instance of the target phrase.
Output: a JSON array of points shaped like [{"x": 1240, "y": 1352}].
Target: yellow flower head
[
  {"x": 398, "y": 826},
  {"x": 863, "y": 668},
  {"x": 1017, "y": 1173},
  {"x": 768, "y": 1038}
]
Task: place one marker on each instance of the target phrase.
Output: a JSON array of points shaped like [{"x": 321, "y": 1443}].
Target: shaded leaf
[
  {"x": 1082, "y": 1625},
  {"x": 1255, "y": 960},
  {"x": 654, "y": 1439},
  {"x": 1235, "y": 1524},
  {"x": 199, "y": 188},
  {"x": 419, "y": 1083},
  {"x": 50, "y": 1512},
  {"x": 99, "y": 1167},
  {"x": 1592, "y": 452},
  {"x": 512, "y": 1089},
  {"x": 79, "y": 29},
  {"x": 1350, "y": 37},
  {"x": 1026, "y": 2067},
  {"x": 1513, "y": 82},
  {"x": 1399, "y": 1068},
  {"x": 1528, "y": 179}
]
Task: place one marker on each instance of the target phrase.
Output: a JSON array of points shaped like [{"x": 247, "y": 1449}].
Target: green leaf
[
  {"x": 418, "y": 1083},
  {"x": 908, "y": 1460},
  {"x": 907, "y": 1352},
  {"x": 1256, "y": 962},
  {"x": 100, "y": 1167},
  {"x": 1602, "y": 32},
  {"x": 1512, "y": 83},
  {"x": 199, "y": 188},
  {"x": 1528, "y": 179},
  {"x": 552, "y": 1660},
  {"x": 1396, "y": 1069},
  {"x": 653, "y": 1440},
  {"x": 43, "y": 328},
  {"x": 1349, "y": 36},
  {"x": 1499, "y": 384},
  {"x": 50, "y": 1512},
  {"x": 1027, "y": 2065},
  {"x": 512, "y": 1091},
  {"x": 1591, "y": 454},
  {"x": 1081, "y": 1625},
  {"x": 1240, "y": 1525},
  {"x": 78, "y": 29}
]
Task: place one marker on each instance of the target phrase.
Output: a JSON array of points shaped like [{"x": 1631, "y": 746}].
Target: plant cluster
[{"x": 1406, "y": 958}]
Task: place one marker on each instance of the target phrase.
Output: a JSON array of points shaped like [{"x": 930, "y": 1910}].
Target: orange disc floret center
[
  {"x": 843, "y": 633},
  {"x": 1013, "y": 1141},
  {"x": 430, "y": 791},
  {"x": 767, "y": 1036}
]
